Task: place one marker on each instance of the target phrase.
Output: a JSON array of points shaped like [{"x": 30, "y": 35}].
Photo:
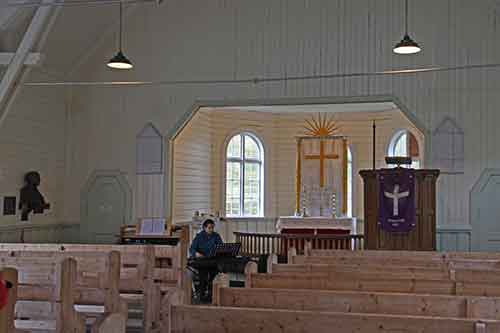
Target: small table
[{"x": 315, "y": 223}]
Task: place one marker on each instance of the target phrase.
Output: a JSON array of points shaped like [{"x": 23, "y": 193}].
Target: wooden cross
[{"x": 322, "y": 157}]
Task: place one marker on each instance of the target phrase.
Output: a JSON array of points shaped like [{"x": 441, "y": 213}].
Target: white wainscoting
[
  {"x": 454, "y": 238},
  {"x": 39, "y": 233}
]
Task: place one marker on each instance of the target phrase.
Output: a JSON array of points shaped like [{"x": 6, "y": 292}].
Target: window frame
[
  {"x": 242, "y": 160},
  {"x": 350, "y": 187},
  {"x": 394, "y": 142}
]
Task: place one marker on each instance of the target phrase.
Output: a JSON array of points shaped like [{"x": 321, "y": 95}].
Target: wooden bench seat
[
  {"x": 360, "y": 302},
  {"x": 145, "y": 270},
  {"x": 209, "y": 319},
  {"x": 96, "y": 292},
  {"x": 426, "y": 255},
  {"x": 371, "y": 283},
  {"x": 44, "y": 294},
  {"x": 440, "y": 261}
]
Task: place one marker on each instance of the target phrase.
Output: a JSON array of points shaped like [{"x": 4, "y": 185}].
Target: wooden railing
[{"x": 254, "y": 244}]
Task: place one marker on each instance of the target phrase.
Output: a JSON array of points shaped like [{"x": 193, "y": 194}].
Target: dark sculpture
[{"x": 31, "y": 199}]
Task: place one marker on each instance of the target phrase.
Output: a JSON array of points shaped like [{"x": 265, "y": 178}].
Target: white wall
[
  {"x": 32, "y": 138},
  {"x": 193, "y": 174},
  {"x": 199, "y": 156},
  {"x": 220, "y": 39}
]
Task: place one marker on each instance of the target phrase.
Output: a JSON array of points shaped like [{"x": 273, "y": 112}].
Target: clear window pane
[
  {"x": 251, "y": 148},
  {"x": 234, "y": 147},
  {"x": 233, "y": 192},
  {"x": 400, "y": 146},
  {"x": 252, "y": 189}
]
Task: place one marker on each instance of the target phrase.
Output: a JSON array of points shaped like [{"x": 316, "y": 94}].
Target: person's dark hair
[{"x": 207, "y": 222}]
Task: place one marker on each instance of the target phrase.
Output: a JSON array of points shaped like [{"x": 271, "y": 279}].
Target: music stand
[{"x": 226, "y": 250}]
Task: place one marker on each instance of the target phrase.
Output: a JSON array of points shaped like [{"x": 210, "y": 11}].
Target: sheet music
[{"x": 152, "y": 227}]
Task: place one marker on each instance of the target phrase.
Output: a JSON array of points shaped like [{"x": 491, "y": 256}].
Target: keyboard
[{"x": 222, "y": 264}]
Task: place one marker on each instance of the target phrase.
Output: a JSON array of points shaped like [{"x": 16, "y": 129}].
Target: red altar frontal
[{"x": 321, "y": 232}]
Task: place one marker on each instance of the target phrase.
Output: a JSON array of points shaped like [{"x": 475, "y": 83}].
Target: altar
[{"x": 317, "y": 225}]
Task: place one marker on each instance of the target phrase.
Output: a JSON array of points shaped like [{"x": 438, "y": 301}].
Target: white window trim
[
  {"x": 242, "y": 160},
  {"x": 351, "y": 175}
]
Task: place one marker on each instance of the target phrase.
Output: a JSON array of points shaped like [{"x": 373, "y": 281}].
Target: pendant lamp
[
  {"x": 406, "y": 45},
  {"x": 120, "y": 61}
]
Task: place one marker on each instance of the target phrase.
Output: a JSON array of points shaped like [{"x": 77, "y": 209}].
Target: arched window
[
  {"x": 404, "y": 143},
  {"x": 349, "y": 181},
  {"x": 244, "y": 181}
]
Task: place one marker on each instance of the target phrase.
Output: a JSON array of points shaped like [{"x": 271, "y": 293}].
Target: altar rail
[{"x": 255, "y": 244}]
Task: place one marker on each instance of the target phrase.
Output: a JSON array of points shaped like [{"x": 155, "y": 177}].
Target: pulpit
[{"x": 421, "y": 234}]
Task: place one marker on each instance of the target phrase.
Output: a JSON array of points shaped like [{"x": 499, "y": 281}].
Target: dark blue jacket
[{"x": 204, "y": 244}]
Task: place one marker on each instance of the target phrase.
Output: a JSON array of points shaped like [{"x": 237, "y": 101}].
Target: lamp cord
[
  {"x": 121, "y": 10},
  {"x": 406, "y": 17}
]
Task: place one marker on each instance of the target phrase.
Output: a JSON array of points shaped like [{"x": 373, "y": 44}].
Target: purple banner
[{"x": 396, "y": 212}]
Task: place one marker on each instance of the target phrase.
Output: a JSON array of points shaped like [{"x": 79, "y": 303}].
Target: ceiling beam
[
  {"x": 8, "y": 85},
  {"x": 33, "y": 59}
]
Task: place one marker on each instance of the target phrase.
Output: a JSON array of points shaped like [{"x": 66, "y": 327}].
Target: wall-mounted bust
[{"x": 31, "y": 200}]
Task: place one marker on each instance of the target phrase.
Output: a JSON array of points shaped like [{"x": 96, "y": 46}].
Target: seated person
[{"x": 202, "y": 246}]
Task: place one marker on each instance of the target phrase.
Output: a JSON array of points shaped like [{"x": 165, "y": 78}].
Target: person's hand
[{"x": 198, "y": 255}]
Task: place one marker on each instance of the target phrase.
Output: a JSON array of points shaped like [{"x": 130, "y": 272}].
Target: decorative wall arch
[
  {"x": 190, "y": 113},
  {"x": 122, "y": 189}
]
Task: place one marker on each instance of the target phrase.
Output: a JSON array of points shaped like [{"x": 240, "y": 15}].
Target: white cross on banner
[
  {"x": 395, "y": 196},
  {"x": 397, "y": 209}
]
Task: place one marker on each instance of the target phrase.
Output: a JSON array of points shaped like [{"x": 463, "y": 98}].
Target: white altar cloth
[{"x": 298, "y": 222}]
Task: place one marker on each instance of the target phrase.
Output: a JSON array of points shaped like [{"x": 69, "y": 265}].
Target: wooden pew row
[
  {"x": 209, "y": 319},
  {"x": 459, "y": 259},
  {"x": 44, "y": 295},
  {"x": 358, "y": 260},
  {"x": 404, "y": 254},
  {"x": 403, "y": 272},
  {"x": 96, "y": 292},
  {"x": 7, "y": 313},
  {"x": 369, "y": 283},
  {"x": 357, "y": 302},
  {"x": 147, "y": 273},
  {"x": 395, "y": 271}
]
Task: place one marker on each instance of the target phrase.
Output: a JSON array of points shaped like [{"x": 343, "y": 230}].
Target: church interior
[{"x": 182, "y": 166}]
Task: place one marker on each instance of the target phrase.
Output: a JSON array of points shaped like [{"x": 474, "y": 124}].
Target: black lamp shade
[
  {"x": 407, "y": 46},
  {"x": 120, "y": 61}
]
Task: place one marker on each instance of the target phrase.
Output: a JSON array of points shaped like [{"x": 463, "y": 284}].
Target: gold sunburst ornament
[{"x": 320, "y": 126}]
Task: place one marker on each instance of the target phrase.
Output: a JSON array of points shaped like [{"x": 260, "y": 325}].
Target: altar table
[{"x": 345, "y": 225}]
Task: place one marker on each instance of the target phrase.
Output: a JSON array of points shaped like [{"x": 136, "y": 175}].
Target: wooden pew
[
  {"x": 358, "y": 302},
  {"x": 7, "y": 313},
  {"x": 477, "y": 285},
  {"x": 45, "y": 294},
  {"x": 403, "y": 254},
  {"x": 424, "y": 260},
  {"x": 96, "y": 291},
  {"x": 147, "y": 273},
  {"x": 209, "y": 319}
]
